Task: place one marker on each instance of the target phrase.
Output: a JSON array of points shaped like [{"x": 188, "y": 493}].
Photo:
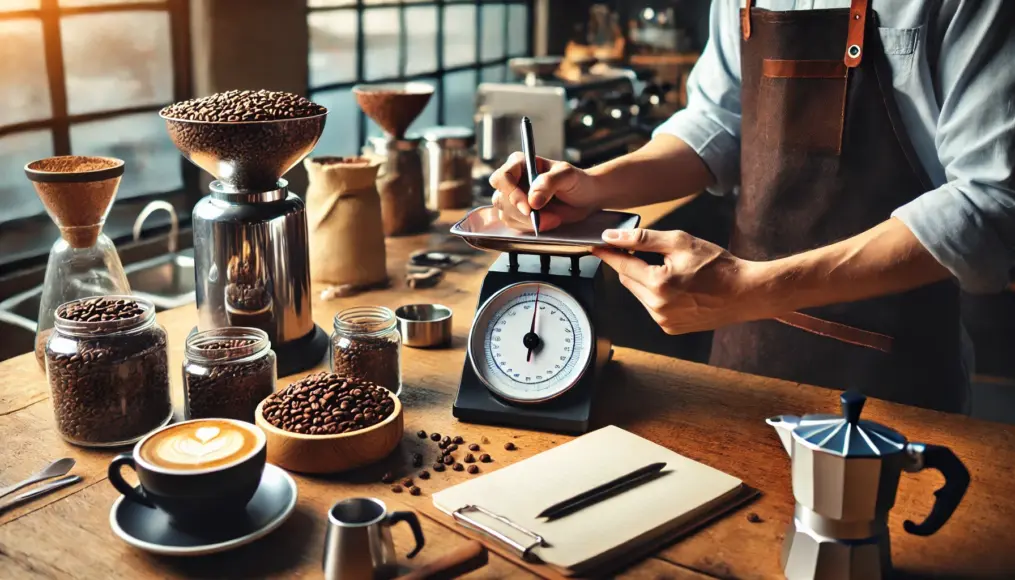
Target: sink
[
  {"x": 168, "y": 281},
  {"x": 19, "y": 335}
]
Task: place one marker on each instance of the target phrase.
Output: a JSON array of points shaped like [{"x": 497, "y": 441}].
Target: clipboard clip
[{"x": 525, "y": 551}]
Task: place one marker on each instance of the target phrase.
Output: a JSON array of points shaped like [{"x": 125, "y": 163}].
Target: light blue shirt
[{"x": 953, "y": 69}]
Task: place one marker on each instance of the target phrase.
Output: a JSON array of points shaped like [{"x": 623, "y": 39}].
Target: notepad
[{"x": 508, "y": 501}]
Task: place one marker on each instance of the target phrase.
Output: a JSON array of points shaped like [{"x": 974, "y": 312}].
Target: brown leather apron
[{"x": 824, "y": 157}]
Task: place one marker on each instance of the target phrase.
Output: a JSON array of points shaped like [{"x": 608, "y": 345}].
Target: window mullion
[{"x": 50, "y": 14}]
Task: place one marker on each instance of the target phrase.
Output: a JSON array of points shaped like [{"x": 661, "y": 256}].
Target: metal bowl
[{"x": 424, "y": 325}]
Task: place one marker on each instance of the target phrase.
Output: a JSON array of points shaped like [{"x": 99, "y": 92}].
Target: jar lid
[
  {"x": 454, "y": 137},
  {"x": 847, "y": 435}
]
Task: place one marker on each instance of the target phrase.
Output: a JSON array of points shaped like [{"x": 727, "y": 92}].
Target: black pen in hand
[{"x": 529, "y": 150}]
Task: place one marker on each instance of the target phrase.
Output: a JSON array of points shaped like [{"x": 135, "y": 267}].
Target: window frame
[
  {"x": 59, "y": 123},
  {"x": 438, "y": 74}
]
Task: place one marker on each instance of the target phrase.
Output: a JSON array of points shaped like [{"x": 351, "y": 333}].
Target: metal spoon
[
  {"x": 55, "y": 469},
  {"x": 43, "y": 489}
]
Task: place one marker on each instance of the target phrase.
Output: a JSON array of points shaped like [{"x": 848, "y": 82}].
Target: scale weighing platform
[{"x": 540, "y": 338}]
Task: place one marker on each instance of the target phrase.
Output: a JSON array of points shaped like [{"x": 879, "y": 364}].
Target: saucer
[{"x": 149, "y": 529}]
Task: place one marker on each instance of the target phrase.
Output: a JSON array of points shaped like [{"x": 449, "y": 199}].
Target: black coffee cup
[{"x": 192, "y": 496}]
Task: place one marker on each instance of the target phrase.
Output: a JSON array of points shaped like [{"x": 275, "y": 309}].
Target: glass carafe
[{"x": 77, "y": 192}]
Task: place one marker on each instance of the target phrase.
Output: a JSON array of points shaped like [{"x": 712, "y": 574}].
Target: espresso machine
[
  {"x": 251, "y": 255},
  {"x": 585, "y": 120},
  {"x": 845, "y": 475}
]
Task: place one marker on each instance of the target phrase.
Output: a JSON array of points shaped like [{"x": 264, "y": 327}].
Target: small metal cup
[
  {"x": 424, "y": 325},
  {"x": 358, "y": 543}
]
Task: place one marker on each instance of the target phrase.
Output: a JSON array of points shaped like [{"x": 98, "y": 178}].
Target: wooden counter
[{"x": 711, "y": 415}]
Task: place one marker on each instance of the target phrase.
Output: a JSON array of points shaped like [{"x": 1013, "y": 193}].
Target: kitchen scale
[{"x": 540, "y": 338}]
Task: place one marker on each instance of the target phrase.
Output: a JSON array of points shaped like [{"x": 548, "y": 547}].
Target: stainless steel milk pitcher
[{"x": 358, "y": 544}]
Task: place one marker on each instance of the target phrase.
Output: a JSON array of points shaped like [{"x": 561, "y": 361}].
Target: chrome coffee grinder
[
  {"x": 250, "y": 234},
  {"x": 845, "y": 476}
]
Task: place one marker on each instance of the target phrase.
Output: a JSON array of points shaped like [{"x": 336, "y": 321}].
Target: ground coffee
[
  {"x": 108, "y": 371},
  {"x": 325, "y": 404}
]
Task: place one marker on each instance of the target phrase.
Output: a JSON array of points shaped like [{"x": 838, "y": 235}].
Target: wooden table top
[{"x": 710, "y": 415}]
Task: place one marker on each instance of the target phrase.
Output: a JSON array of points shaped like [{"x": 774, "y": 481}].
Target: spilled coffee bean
[
  {"x": 473, "y": 469},
  {"x": 414, "y": 490},
  {"x": 485, "y": 458},
  {"x": 474, "y": 447}
]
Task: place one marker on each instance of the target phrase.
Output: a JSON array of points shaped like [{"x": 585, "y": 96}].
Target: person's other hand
[
  {"x": 562, "y": 193},
  {"x": 700, "y": 286}
]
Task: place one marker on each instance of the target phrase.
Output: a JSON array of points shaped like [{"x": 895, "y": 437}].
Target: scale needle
[{"x": 531, "y": 339}]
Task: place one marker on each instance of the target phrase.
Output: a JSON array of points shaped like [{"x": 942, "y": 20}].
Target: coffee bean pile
[
  {"x": 373, "y": 359},
  {"x": 229, "y": 389},
  {"x": 111, "y": 386},
  {"x": 100, "y": 310},
  {"x": 236, "y": 106},
  {"x": 325, "y": 404}
]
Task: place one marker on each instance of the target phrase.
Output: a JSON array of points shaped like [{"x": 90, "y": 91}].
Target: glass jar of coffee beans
[
  {"x": 107, "y": 364},
  {"x": 227, "y": 372},
  {"x": 367, "y": 346}
]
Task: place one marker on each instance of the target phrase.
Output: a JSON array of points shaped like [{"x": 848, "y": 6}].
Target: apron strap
[
  {"x": 745, "y": 19},
  {"x": 854, "y": 37}
]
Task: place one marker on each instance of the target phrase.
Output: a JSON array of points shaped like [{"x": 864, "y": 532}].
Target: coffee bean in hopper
[
  {"x": 326, "y": 404},
  {"x": 243, "y": 106}
]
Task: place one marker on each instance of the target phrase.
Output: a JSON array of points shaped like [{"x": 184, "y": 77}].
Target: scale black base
[{"x": 583, "y": 278}]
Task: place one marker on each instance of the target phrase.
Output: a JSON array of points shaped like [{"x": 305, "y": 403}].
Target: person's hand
[
  {"x": 700, "y": 286},
  {"x": 562, "y": 193}
]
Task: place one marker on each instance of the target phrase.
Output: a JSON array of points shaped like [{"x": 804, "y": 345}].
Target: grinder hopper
[
  {"x": 247, "y": 156},
  {"x": 393, "y": 106}
]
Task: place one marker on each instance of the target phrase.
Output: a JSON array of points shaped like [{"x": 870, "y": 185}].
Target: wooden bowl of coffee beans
[{"x": 325, "y": 423}]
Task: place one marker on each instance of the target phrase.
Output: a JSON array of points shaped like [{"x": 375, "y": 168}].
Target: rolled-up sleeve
[
  {"x": 968, "y": 223},
  {"x": 710, "y": 123}
]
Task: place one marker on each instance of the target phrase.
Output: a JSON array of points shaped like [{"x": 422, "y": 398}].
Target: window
[
  {"x": 86, "y": 77},
  {"x": 452, "y": 44}
]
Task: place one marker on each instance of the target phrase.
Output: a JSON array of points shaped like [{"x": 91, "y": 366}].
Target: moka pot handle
[{"x": 949, "y": 495}]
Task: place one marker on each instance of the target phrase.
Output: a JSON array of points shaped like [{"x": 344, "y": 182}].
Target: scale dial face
[{"x": 503, "y": 335}]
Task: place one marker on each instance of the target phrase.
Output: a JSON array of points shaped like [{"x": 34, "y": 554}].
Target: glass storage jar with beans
[
  {"x": 227, "y": 372},
  {"x": 367, "y": 346},
  {"x": 107, "y": 365}
]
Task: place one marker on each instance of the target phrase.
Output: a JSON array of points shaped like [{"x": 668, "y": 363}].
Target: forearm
[
  {"x": 664, "y": 169},
  {"x": 885, "y": 259}
]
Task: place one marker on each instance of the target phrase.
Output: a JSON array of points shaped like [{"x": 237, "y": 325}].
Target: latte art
[{"x": 199, "y": 445}]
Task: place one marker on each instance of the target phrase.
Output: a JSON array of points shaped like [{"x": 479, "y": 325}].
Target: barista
[{"x": 871, "y": 147}]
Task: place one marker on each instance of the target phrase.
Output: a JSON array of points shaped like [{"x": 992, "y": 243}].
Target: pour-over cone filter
[
  {"x": 393, "y": 106},
  {"x": 77, "y": 192},
  {"x": 247, "y": 139}
]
